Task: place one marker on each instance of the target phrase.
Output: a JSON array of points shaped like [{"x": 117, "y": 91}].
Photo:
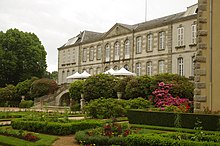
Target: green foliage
[
  {"x": 43, "y": 87},
  {"x": 209, "y": 122},
  {"x": 22, "y": 56},
  {"x": 182, "y": 87},
  {"x": 106, "y": 108},
  {"x": 99, "y": 86},
  {"x": 138, "y": 87},
  {"x": 8, "y": 96},
  {"x": 26, "y": 104},
  {"x": 160, "y": 140},
  {"x": 23, "y": 88},
  {"x": 75, "y": 90},
  {"x": 55, "y": 128},
  {"x": 45, "y": 140},
  {"x": 138, "y": 103},
  {"x": 109, "y": 108}
]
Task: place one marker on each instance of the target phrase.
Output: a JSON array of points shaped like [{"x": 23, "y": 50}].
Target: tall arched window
[
  {"x": 180, "y": 66},
  {"x": 91, "y": 54},
  {"x": 106, "y": 68},
  {"x": 117, "y": 51},
  {"x": 99, "y": 52},
  {"x": 98, "y": 70},
  {"x": 138, "y": 69},
  {"x": 161, "y": 66},
  {"x": 138, "y": 45},
  {"x": 116, "y": 67},
  {"x": 149, "y": 68},
  {"x": 127, "y": 49},
  {"x": 107, "y": 52}
]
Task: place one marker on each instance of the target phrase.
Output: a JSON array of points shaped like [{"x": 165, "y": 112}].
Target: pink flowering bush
[{"x": 163, "y": 99}]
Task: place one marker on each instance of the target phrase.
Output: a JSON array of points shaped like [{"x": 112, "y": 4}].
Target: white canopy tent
[
  {"x": 123, "y": 72},
  {"x": 110, "y": 71},
  {"x": 85, "y": 75},
  {"x": 74, "y": 76}
]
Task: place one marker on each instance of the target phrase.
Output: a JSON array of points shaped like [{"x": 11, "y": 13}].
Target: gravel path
[{"x": 66, "y": 141}]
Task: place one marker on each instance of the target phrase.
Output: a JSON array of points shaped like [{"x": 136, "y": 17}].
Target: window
[
  {"x": 116, "y": 67},
  {"x": 99, "y": 52},
  {"x": 192, "y": 65},
  {"x": 91, "y": 54},
  {"x": 106, "y": 68},
  {"x": 161, "y": 40},
  {"x": 91, "y": 71},
  {"x": 84, "y": 55},
  {"x": 98, "y": 70},
  {"x": 149, "y": 68},
  {"x": 180, "y": 36},
  {"x": 161, "y": 66},
  {"x": 126, "y": 67},
  {"x": 180, "y": 66},
  {"x": 117, "y": 51},
  {"x": 107, "y": 52},
  {"x": 138, "y": 69},
  {"x": 127, "y": 49},
  {"x": 64, "y": 57},
  {"x": 149, "y": 42},
  {"x": 138, "y": 45},
  {"x": 74, "y": 56},
  {"x": 193, "y": 35},
  {"x": 63, "y": 77}
]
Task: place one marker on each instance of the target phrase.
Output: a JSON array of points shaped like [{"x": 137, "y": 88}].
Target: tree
[{"x": 21, "y": 56}]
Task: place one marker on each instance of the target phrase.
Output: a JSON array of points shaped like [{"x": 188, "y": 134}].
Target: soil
[{"x": 66, "y": 141}]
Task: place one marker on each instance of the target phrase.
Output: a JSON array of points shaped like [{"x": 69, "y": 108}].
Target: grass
[{"x": 45, "y": 140}]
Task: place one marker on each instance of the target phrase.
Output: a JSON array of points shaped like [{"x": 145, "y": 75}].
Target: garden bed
[{"x": 9, "y": 136}]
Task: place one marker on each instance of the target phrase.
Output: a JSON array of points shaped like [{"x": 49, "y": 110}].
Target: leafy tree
[
  {"x": 76, "y": 88},
  {"x": 54, "y": 75},
  {"x": 99, "y": 86},
  {"x": 21, "y": 56},
  {"x": 43, "y": 87},
  {"x": 23, "y": 88}
]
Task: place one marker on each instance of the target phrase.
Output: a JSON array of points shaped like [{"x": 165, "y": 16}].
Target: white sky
[{"x": 55, "y": 21}]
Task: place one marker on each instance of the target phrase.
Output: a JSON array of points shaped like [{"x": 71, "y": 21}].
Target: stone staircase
[{"x": 51, "y": 99}]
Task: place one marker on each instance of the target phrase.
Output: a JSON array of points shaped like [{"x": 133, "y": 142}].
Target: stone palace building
[{"x": 163, "y": 45}]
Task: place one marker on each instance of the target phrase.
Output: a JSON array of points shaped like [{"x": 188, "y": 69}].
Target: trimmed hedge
[
  {"x": 84, "y": 139},
  {"x": 159, "y": 140},
  {"x": 188, "y": 120},
  {"x": 55, "y": 128}
]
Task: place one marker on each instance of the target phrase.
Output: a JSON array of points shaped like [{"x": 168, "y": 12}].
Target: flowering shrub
[
  {"x": 163, "y": 99},
  {"x": 30, "y": 137}
]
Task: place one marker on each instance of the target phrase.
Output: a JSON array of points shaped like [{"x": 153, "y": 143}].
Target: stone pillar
[
  {"x": 201, "y": 77},
  {"x": 82, "y": 102}
]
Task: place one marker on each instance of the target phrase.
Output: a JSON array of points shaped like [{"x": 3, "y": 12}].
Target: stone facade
[
  {"x": 207, "y": 71},
  {"x": 145, "y": 48}
]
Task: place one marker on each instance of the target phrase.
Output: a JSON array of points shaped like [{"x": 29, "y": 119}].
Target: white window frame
[
  {"x": 107, "y": 53},
  {"x": 99, "y": 52},
  {"x": 117, "y": 51},
  {"x": 84, "y": 55},
  {"x": 180, "y": 36},
  {"x": 91, "y": 53},
  {"x": 138, "y": 45},
  {"x": 138, "y": 69},
  {"x": 149, "y": 68},
  {"x": 150, "y": 42},
  {"x": 180, "y": 65},
  {"x": 193, "y": 34},
  {"x": 161, "y": 40},
  {"x": 127, "y": 49},
  {"x": 161, "y": 66}
]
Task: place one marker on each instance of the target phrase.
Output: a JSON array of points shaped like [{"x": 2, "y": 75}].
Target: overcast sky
[{"x": 55, "y": 21}]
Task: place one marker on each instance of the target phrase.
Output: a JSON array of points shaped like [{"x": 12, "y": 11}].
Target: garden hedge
[
  {"x": 159, "y": 140},
  {"x": 83, "y": 138},
  {"x": 55, "y": 128},
  {"x": 187, "y": 120}
]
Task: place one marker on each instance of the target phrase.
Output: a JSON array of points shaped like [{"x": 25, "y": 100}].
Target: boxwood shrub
[
  {"x": 55, "y": 128},
  {"x": 188, "y": 120},
  {"x": 159, "y": 140},
  {"x": 83, "y": 138}
]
